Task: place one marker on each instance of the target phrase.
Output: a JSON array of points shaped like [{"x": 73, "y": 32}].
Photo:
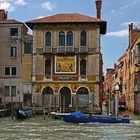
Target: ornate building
[{"x": 66, "y": 61}]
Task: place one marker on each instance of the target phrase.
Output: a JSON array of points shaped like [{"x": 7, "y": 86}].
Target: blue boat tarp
[
  {"x": 80, "y": 117},
  {"x": 77, "y": 113}
]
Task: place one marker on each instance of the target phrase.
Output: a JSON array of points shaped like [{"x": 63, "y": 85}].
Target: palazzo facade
[{"x": 66, "y": 62}]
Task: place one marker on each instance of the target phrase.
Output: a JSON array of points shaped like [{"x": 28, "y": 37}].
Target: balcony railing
[
  {"x": 83, "y": 49},
  {"x": 47, "y": 50},
  {"x": 66, "y": 49},
  {"x": 41, "y": 50}
]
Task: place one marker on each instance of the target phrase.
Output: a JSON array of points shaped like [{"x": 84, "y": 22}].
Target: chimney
[
  {"x": 130, "y": 26},
  {"x": 3, "y": 15},
  {"x": 98, "y": 8}
]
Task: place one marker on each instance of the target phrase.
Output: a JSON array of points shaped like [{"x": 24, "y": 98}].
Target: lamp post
[{"x": 116, "y": 99}]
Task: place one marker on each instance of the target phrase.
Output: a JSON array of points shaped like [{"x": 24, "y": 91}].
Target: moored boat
[
  {"x": 20, "y": 114},
  {"x": 84, "y": 118},
  {"x": 57, "y": 115}
]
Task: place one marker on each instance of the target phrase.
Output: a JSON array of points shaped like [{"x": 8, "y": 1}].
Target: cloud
[
  {"x": 7, "y": 6},
  {"x": 122, "y": 8},
  {"x": 48, "y": 6},
  {"x": 10, "y": 5},
  {"x": 20, "y": 2},
  {"x": 121, "y": 33}
]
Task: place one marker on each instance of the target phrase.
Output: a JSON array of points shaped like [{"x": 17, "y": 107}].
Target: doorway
[{"x": 65, "y": 99}]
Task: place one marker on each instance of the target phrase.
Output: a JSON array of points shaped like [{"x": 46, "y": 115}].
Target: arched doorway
[
  {"x": 65, "y": 98},
  {"x": 47, "y": 97},
  {"x": 82, "y": 97}
]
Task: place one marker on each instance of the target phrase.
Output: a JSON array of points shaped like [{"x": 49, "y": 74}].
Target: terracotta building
[
  {"x": 66, "y": 61},
  {"x": 14, "y": 53},
  {"x": 133, "y": 68},
  {"x": 116, "y": 75},
  {"x": 126, "y": 73}
]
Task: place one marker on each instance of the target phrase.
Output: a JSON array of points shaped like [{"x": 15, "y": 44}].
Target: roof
[
  {"x": 69, "y": 18},
  {"x": 10, "y": 21}
]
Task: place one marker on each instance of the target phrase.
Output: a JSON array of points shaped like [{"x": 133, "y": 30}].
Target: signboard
[{"x": 65, "y": 64}]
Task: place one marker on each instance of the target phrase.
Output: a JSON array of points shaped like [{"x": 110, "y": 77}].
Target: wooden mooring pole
[{"x": 44, "y": 113}]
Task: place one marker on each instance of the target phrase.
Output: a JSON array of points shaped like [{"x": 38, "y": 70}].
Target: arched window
[
  {"x": 47, "y": 97},
  {"x": 69, "y": 38},
  {"x": 83, "y": 97},
  {"x": 83, "y": 67},
  {"x": 61, "y": 38},
  {"x": 48, "y": 39},
  {"x": 83, "y": 38},
  {"x": 47, "y": 67},
  {"x": 47, "y": 90}
]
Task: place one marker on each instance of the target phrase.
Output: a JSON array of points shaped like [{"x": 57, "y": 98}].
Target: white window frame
[{"x": 14, "y": 52}]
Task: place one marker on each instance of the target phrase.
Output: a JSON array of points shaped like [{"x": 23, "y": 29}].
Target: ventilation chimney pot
[
  {"x": 3, "y": 15},
  {"x": 98, "y": 7},
  {"x": 130, "y": 26}
]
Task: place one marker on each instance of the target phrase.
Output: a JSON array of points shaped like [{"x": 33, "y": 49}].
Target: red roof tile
[
  {"x": 10, "y": 21},
  {"x": 67, "y": 18}
]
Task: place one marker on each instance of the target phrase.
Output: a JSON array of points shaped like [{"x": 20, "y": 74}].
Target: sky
[{"x": 117, "y": 13}]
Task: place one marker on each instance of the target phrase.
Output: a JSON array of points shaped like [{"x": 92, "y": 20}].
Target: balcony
[
  {"x": 47, "y": 49},
  {"x": 83, "y": 49},
  {"x": 65, "y": 49},
  {"x": 41, "y": 50},
  {"x": 86, "y": 49}
]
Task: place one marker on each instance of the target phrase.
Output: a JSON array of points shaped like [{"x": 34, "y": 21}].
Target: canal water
[{"x": 49, "y": 129}]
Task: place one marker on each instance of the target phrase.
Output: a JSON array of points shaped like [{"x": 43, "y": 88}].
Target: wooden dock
[{"x": 5, "y": 112}]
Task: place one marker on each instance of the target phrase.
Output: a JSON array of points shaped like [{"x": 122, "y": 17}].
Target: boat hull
[
  {"x": 90, "y": 119},
  {"x": 60, "y": 116},
  {"x": 23, "y": 114}
]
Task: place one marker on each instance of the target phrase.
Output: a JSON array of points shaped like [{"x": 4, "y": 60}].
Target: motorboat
[
  {"x": 58, "y": 115},
  {"x": 80, "y": 117}
]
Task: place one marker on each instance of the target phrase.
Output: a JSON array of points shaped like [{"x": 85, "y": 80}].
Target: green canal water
[{"x": 49, "y": 129}]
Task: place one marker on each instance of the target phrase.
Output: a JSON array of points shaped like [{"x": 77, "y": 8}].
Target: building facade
[
  {"x": 13, "y": 36},
  {"x": 133, "y": 67},
  {"x": 66, "y": 61},
  {"x": 127, "y": 73},
  {"x": 114, "y": 76}
]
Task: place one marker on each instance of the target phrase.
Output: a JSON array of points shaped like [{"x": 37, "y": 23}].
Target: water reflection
[{"x": 39, "y": 129}]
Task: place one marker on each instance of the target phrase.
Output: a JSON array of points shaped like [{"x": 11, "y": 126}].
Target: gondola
[{"x": 20, "y": 114}]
